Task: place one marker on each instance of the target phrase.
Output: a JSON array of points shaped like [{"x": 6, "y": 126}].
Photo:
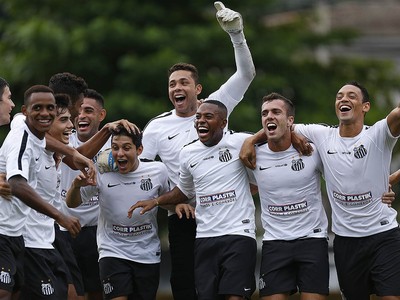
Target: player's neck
[{"x": 350, "y": 130}]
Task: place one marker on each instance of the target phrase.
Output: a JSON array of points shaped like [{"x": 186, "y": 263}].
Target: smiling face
[
  {"x": 183, "y": 91},
  {"x": 349, "y": 105},
  {"x": 276, "y": 122},
  {"x": 210, "y": 122},
  {"x": 6, "y": 106},
  {"x": 91, "y": 114},
  {"x": 125, "y": 153},
  {"x": 62, "y": 126},
  {"x": 40, "y": 112}
]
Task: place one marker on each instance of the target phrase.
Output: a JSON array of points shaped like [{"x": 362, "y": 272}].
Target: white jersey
[
  {"x": 224, "y": 204},
  {"x": 165, "y": 135},
  {"x": 88, "y": 212},
  {"x": 20, "y": 155},
  {"x": 289, "y": 186},
  {"x": 39, "y": 228},
  {"x": 134, "y": 239},
  {"x": 356, "y": 171}
]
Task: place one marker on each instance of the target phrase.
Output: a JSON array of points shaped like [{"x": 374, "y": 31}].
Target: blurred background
[{"x": 303, "y": 49}]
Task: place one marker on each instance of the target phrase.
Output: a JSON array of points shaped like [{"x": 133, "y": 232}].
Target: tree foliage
[{"x": 123, "y": 49}]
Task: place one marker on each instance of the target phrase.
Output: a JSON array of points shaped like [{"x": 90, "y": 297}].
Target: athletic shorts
[
  {"x": 121, "y": 277},
  {"x": 11, "y": 263},
  {"x": 225, "y": 265},
  {"x": 368, "y": 265},
  {"x": 87, "y": 257},
  {"x": 45, "y": 275},
  {"x": 62, "y": 243},
  {"x": 290, "y": 266},
  {"x": 181, "y": 236}
]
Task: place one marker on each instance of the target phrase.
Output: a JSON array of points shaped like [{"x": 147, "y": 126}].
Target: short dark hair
[
  {"x": 363, "y": 89},
  {"x": 3, "y": 84},
  {"x": 220, "y": 105},
  {"x": 185, "y": 67},
  {"x": 136, "y": 137},
  {"x": 93, "y": 94},
  {"x": 36, "y": 89},
  {"x": 67, "y": 83},
  {"x": 63, "y": 103},
  {"x": 276, "y": 96}
]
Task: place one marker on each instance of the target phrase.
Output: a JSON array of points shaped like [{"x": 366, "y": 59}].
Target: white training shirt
[
  {"x": 289, "y": 186},
  {"x": 88, "y": 212},
  {"x": 166, "y": 134},
  {"x": 356, "y": 171},
  {"x": 20, "y": 154},
  {"x": 39, "y": 228},
  {"x": 134, "y": 239},
  {"x": 224, "y": 204}
]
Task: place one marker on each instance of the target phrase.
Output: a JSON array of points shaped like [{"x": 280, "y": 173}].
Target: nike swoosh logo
[
  {"x": 170, "y": 137},
  {"x": 331, "y": 152},
  {"x": 193, "y": 165},
  {"x": 261, "y": 168},
  {"x": 247, "y": 289},
  {"x": 112, "y": 185},
  {"x": 47, "y": 167},
  {"x": 36, "y": 159}
]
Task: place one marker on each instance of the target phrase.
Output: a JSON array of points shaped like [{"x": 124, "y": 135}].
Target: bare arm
[
  {"x": 96, "y": 142},
  {"x": 175, "y": 196},
  {"x": 23, "y": 191}
]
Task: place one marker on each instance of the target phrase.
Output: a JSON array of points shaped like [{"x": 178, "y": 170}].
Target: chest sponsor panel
[
  {"x": 132, "y": 230},
  {"x": 352, "y": 200},
  {"x": 288, "y": 209},
  {"x": 217, "y": 199}
]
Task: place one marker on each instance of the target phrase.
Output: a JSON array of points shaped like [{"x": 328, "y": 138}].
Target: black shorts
[
  {"x": 11, "y": 263},
  {"x": 290, "y": 266},
  {"x": 45, "y": 275},
  {"x": 62, "y": 243},
  {"x": 368, "y": 265},
  {"x": 121, "y": 277},
  {"x": 225, "y": 265},
  {"x": 181, "y": 236},
  {"x": 87, "y": 257}
]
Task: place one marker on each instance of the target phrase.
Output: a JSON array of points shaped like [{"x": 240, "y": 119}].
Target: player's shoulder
[{"x": 165, "y": 116}]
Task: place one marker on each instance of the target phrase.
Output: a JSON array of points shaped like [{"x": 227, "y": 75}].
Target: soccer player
[
  {"x": 356, "y": 160},
  {"x": 210, "y": 170},
  {"x": 20, "y": 159},
  {"x": 129, "y": 249},
  {"x": 295, "y": 247},
  {"x": 6, "y": 104}
]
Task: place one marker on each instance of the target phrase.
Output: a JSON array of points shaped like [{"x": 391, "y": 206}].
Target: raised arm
[{"x": 232, "y": 22}]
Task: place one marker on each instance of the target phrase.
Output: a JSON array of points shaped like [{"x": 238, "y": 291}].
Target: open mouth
[
  {"x": 271, "y": 126},
  {"x": 344, "y": 108},
  {"x": 122, "y": 163},
  {"x": 180, "y": 98},
  {"x": 202, "y": 131},
  {"x": 83, "y": 125}
]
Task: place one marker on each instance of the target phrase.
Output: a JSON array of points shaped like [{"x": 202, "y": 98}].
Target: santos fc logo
[
  {"x": 297, "y": 164},
  {"x": 146, "y": 184},
  {"x": 224, "y": 155},
  {"x": 360, "y": 152}
]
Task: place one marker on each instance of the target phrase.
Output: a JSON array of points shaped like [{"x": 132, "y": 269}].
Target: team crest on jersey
[
  {"x": 359, "y": 152},
  {"x": 297, "y": 164},
  {"x": 146, "y": 184},
  {"x": 5, "y": 277},
  {"x": 224, "y": 155},
  {"x": 47, "y": 288},
  {"x": 108, "y": 288}
]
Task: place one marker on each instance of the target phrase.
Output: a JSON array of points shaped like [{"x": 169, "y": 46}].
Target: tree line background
[{"x": 123, "y": 49}]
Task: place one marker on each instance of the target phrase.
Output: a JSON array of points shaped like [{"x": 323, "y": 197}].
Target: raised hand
[{"x": 230, "y": 21}]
